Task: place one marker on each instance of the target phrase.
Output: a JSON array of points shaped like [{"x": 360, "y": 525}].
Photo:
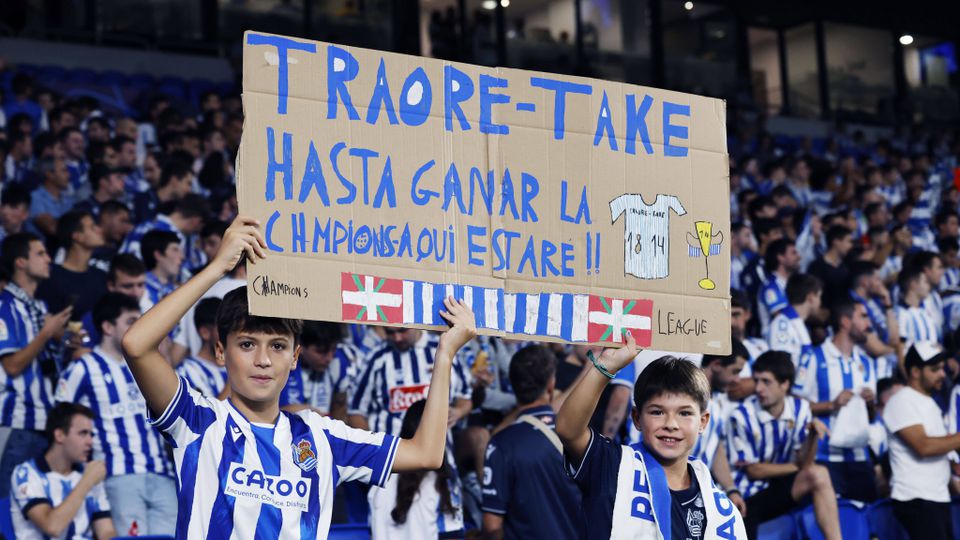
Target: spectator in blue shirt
[
  {"x": 22, "y": 87},
  {"x": 526, "y": 493},
  {"x": 51, "y": 200}
]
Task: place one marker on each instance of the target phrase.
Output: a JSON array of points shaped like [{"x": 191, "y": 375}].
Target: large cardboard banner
[{"x": 561, "y": 208}]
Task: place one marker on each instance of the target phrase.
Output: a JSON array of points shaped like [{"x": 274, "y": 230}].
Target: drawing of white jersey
[{"x": 646, "y": 239}]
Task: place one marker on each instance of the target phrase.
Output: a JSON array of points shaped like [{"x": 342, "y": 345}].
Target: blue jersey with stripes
[
  {"x": 824, "y": 373},
  {"x": 916, "y": 324},
  {"x": 24, "y": 398},
  {"x": 712, "y": 437},
  {"x": 756, "y": 436},
  {"x": 124, "y": 439},
  {"x": 317, "y": 389},
  {"x": 206, "y": 377},
  {"x": 771, "y": 299},
  {"x": 33, "y": 483},
  {"x": 245, "y": 481},
  {"x": 392, "y": 380}
]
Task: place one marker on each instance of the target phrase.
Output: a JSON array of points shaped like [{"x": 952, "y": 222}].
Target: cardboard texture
[{"x": 561, "y": 208}]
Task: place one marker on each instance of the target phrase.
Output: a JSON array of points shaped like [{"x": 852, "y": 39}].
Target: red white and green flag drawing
[
  {"x": 370, "y": 298},
  {"x": 610, "y": 318}
]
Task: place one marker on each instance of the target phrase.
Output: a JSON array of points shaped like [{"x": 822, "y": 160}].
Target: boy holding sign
[
  {"x": 651, "y": 489},
  {"x": 245, "y": 468}
]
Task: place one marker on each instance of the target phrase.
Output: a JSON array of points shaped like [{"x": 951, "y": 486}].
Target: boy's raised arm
[
  {"x": 575, "y": 413},
  {"x": 156, "y": 378},
  {"x": 425, "y": 449}
]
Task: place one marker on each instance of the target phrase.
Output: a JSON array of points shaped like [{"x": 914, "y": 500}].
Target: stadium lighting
[
  {"x": 505, "y": 3},
  {"x": 906, "y": 39},
  {"x": 688, "y": 6},
  {"x": 489, "y": 4}
]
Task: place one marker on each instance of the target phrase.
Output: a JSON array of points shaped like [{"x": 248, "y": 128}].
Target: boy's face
[
  {"x": 258, "y": 364},
  {"x": 768, "y": 390},
  {"x": 170, "y": 261},
  {"x": 670, "y": 424}
]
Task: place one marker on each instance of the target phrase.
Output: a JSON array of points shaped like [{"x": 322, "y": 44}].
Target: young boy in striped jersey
[
  {"x": 652, "y": 489},
  {"x": 245, "y": 469}
]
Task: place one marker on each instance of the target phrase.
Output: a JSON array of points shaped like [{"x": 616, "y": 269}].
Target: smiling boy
[
  {"x": 245, "y": 469},
  {"x": 651, "y": 489}
]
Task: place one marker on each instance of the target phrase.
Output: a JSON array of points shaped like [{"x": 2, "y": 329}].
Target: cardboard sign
[{"x": 561, "y": 208}]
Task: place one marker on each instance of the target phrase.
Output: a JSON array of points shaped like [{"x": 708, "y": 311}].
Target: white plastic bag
[{"x": 851, "y": 425}]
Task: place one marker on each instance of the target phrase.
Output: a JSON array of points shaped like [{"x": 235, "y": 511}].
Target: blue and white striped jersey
[
  {"x": 915, "y": 324},
  {"x": 772, "y": 298},
  {"x": 24, "y": 398},
  {"x": 933, "y": 303},
  {"x": 755, "y": 436},
  {"x": 876, "y": 314},
  {"x": 246, "y": 481},
  {"x": 392, "y": 381},
  {"x": 788, "y": 332},
  {"x": 124, "y": 439},
  {"x": 306, "y": 386},
  {"x": 155, "y": 290},
  {"x": 714, "y": 434},
  {"x": 206, "y": 377},
  {"x": 824, "y": 373},
  {"x": 34, "y": 483},
  {"x": 951, "y": 278}
]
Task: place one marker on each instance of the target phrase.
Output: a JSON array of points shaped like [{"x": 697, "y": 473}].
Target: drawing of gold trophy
[{"x": 703, "y": 241}]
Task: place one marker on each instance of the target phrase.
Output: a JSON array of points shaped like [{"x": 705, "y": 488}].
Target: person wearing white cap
[{"x": 919, "y": 447}]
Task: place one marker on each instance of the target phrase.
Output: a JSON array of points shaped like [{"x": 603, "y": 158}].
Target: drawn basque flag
[
  {"x": 609, "y": 318},
  {"x": 370, "y": 298}
]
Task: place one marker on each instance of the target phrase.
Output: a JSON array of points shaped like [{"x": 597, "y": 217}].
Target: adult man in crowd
[
  {"x": 74, "y": 282},
  {"x": 60, "y": 490},
  {"x": 772, "y": 439},
  {"x": 914, "y": 321},
  {"x": 839, "y": 380},
  {"x": 322, "y": 376},
  {"x": 52, "y": 199},
  {"x": 107, "y": 185},
  {"x": 781, "y": 261},
  {"x": 919, "y": 447},
  {"x": 14, "y": 209},
  {"x": 163, "y": 258},
  {"x": 526, "y": 493},
  {"x": 29, "y": 351},
  {"x": 788, "y": 331},
  {"x": 831, "y": 268},
  {"x": 139, "y": 482}
]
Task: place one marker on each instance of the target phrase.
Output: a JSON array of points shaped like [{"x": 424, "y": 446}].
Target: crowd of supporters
[{"x": 845, "y": 317}]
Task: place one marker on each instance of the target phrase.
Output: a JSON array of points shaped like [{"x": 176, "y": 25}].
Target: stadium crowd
[{"x": 841, "y": 384}]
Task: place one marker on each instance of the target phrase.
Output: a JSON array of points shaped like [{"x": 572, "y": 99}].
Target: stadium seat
[
  {"x": 112, "y": 78},
  {"x": 853, "y": 522},
  {"x": 883, "y": 524},
  {"x": 781, "y": 528},
  {"x": 6, "y": 520},
  {"x": 82, "y": 76},
  {"x": 349, "y": 531}
]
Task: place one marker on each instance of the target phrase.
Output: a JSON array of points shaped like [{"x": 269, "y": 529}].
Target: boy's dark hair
[
  {"x": 70, "y": 224},
  {"x": 531, "y": 369},
  {"x": 323, "y": 335},
  {"x": 922, "y": 260},
  {"x": 907, "y": 278},
  {"x": 234, "y": 316},
  {"x": 15, "y": 246},
  {"x": 111, "y": 207},
  {"x": 61, "y": 416},
  {"x": 669, "y": 374},
  {"x": 153, "y": 242},
  {"x": 192, "y": 205},
  {"x": 774, "y": 251},
  {"x": 127, "y": 263},
  {"x": 777, "y": 363},
  {"x": 110, "y": 306},
  {"x": 844, "y": 308},
  {"x": 15, "y": 195},
  {"x": 837, "y": 232},
  {"x": 802, "y": 285},
  {"x": 205, "y": 314},
  {"x": 947, "y": 244}
]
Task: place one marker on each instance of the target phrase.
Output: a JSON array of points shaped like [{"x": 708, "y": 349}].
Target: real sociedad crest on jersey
[{"x": 304, "y": 456}]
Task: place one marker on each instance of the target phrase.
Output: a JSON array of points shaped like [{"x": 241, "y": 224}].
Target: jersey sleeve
[
  {"x": 617, "y": 207},
  {"x": 901, "y": 415},
  {"x": 27, "y": 489},
  {"x": 186, "y": 417},
  {"x": 357, "y": 454},
  {"x": 497, "y": 479},
  {"x": 804, "y": 417},
  {"x": 13, "y": 334},
  {"x": 362, "y": 402},
  {"x": 806, "y": 380},
  {"x": 72, "y": 383},
  {"x": 741, "y": 443},
  {"x": 97, "y": 504},
  {"x": 676, "y": 206},
  {"x": 597, "y": 471}
]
